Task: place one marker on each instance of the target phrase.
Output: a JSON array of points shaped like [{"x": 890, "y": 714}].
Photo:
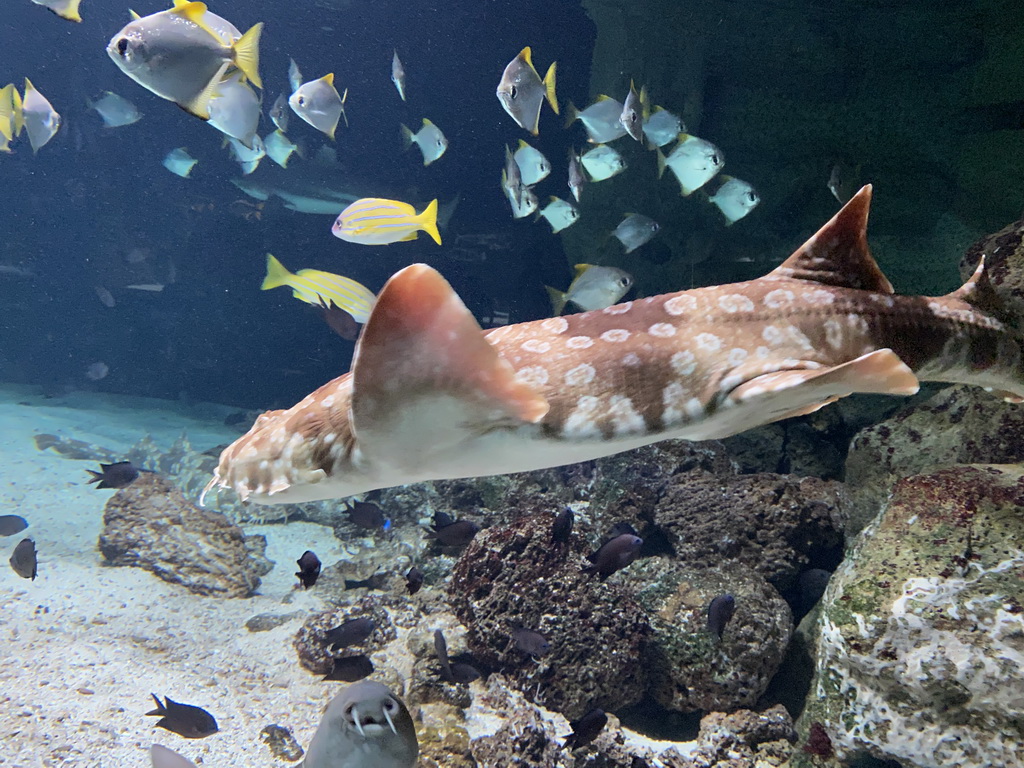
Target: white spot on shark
[
  {"x": 631, "y": 359},
  {"x": 581, "y": 375},
  {"x": 796, "y": 336},
  {"x": 683, "y": 362},
  {"x": 327, "y": 402},
  {"x": 735, "y": 302},
  {"x": 579, "y": 342},
  {"x": 625, "y": 418},
  {"x": 833, "y": 333},
  {"x": 773, "y": 335},
  {"x": 580, "y": 423},
  {"x": 680, "y": 305},
  {"x": 662, "y": 330},
  {"x": 673, "y": 398},
  {"x": 778, "y": 298},
  {"x": 737, "y": 355},
  {"x": 555, "y": 325},
  {"x": 537, "y": 345},
  {"x": 618, "y": 309},
  {"x": 708, "y": 341},
  {"x": 533, "y": 376},
  {"x": 615, "y": 335},
  {"x": 818, "y": 297}
]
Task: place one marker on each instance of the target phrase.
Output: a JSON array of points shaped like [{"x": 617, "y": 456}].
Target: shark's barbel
[{"x": 431, "y": 396}]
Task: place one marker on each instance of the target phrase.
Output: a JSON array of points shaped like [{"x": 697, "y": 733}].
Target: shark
[{"x": 430, "y": 395}]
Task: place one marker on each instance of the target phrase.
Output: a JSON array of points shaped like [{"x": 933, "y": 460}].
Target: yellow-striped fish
[
  {"x": 376, "y": 221},
  {"x": 322, "y": 289}
]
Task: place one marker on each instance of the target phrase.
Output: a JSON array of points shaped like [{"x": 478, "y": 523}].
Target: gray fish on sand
[
  {"x": 586, "y": 729},
  {"x": 12, "y": 524},
  {"x": 309, "y": 569},
  {"x": 453, "y": 533},
  {"x": 364, "y": 726},
  {"x": 23, "y": 560},
  {"x": 182, "y": 53},
  {"x": 601, "y": 119},
  {"x": 634, "y": 112},
  {"x": 428, "y": 138},
  {"x": 522, "y": 92},
  {"x": 319, "y": 104},
  {"x": 453, "y": 671},
  {"x": 115, "y": 111},
  {"x": 120, "y": 474},
  {"x": 186, "y": 720},
  {"x": 398, "y": 75},
  {"x": 531, "y": 643},
  {"x": 349, "y": 669},
  {"x": 351, "y": 632},
  {"x": 734, "y": 198},
  {"x": 614, "y": 555},
  {"x": 720, "y": 612},
  {"x": 162, "y": 757},
  {"x": 635, "y": 230},
  {"x": 593, "y": 287}
]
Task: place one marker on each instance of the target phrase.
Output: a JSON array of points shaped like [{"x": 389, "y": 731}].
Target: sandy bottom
[{"x": 84, "y": 645}]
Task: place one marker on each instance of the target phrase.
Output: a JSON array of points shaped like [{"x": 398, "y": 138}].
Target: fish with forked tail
[
  {"x": 186, "y": 720},
  {"x": 432, "y": 396}
]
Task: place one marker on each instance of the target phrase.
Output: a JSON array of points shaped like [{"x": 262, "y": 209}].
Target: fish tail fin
[
  {"x": 160, "y": 708},
  {"x": 246, "y": 52},
  {"x": 661, "y": 162},
  {"x": 71, "y": 12},
  {"x": 557, "y": 298},
  {"x": 7, "y": 114},
  {"x": 344, "y": 98},
  {"x": 408, "y": 137},
  {"x": 428, "y": 221},
  {"x": 96, "y": 476},
  {"x": 549, "y": 86},
  {"x": 571, "y": 113},
  {"x": 277, "y": 275}
]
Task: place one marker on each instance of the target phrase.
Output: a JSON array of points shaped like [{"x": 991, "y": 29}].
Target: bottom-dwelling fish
[
  {"x": 432, "y": 396},
  {"x": 364, "y": 726},
  {"x": 186, "y": 720}
]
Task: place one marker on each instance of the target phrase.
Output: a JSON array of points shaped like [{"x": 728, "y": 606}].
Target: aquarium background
[{"x": 924, "y": 97}]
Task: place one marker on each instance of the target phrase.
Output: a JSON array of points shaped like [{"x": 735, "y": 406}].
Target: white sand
[{"x": 85, "y": 644}]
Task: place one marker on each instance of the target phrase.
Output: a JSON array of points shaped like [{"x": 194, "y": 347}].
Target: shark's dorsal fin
[
  {"x": 838, "y": 253},
  {"x": 424, "y": 377},
  {"x": 979, "y": 293}
]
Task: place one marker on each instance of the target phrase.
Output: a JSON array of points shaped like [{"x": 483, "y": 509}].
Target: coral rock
[{"x": 151, "y": 525}]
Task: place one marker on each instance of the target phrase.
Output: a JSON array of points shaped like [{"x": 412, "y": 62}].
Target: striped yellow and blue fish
[
  {"x": 376, "y": 221},
  {"x": 322, "y": 289}
]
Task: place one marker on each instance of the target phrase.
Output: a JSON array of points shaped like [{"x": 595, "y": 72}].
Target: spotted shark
[{"x": 432, "y": 396}]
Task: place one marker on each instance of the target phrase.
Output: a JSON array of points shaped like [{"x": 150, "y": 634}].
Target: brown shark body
[{"x": 432, "y": 396}]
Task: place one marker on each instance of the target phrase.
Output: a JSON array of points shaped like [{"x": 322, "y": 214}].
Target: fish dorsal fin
[
  {"x": 978, "y": 292},
  {"x": 134, "y": 16},
  {"x": 603, "y": 97},
  {"x": 194, "y": 12},
  {"x": 329, "y": 79},
  {"x": 580, "y": 269},
  {"x": 425, "y": 379},
  {"x": 522, "y": 145},
  {"x": 526, "y": 55},
  {"x": 837, "y": 254}
]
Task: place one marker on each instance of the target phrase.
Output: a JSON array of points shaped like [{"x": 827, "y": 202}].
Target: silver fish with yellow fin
[
  {"x": 319, "y": 104},
  {"x": 279, "y": 147},
  {"x": 182, "y": 54},
  {"x": 734, "y": 198},
  {"x": 376, "y": 221},
  {"x": 522, "y": 92},
  {"x": 41, "y": 120},
  {"x": 12, "y": 118},
  {"x": 635, "y": 230},
  {"x": 429, "y": 139},
  {"x": 602, "y": 162},
  {"x": 533, "y": 166},
  {"x": 559, "y": 214},
  {"x": 115, "y": 111},
  {"x": 279, "y": 112},
  {"x": 66, "y": 9},
  {"x": 600, "y": 119},
  {"x": 235, "y": 109},
  {"x": 398, "y": 75},
  {"x": 662, "y": 127},
  {"x": 592, "y": 288},
  {"x": 179, "y": 162},
  {"x": 635, "y": 112},
  {"x": 693, "y": 161}
]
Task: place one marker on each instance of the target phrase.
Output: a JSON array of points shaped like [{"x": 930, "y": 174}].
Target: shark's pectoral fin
[
  {"x": 799, "y": 390},
  {"x": 425, "y": 378}
]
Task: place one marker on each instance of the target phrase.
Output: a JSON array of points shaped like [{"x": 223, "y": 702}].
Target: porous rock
[
  {"x": 151, "y": 525},
  {"x": 689, "y": 668},
  {"x": 311, "y": 645},
  {"x": 920, "y": 657},
  {"x": 513, "y": 576},
  {"x": 773, "y": 524},
  {"x": 1004, "y": 266}
]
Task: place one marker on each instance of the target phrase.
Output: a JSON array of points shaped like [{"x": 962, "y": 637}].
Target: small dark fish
[
  {"x": 12, "y": 524},
  {"x": 561, "y": 529},
  {"x": 349, "y": 669},
  {"x": 414, "y": 580},
  {"x": 341, "y": 322},
  {"x": 453, "y": 533},
  {"x": 23, "y": 561},
  {"x": 586, "y": 729},
  {"x": 530, "y": 642},
  {"x": 377, "y": 581},
  {"x": 309, "y": 569},
  {"x": 366, "y": 515},
  {"x": 351, "y": 632},
  {"x": 719, "y": 613},
  {"x": 620, "y": 528},
  {"x": 614, "y": 555},
  {"x": 464, "y": 673},
  {"x": 183, "y": 719},
  {"x": 453, "y": 672},
  {"x": 119, "y": 475}
]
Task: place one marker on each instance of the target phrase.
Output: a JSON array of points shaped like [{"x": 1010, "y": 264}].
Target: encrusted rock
[
  {"x": 688, "y": 667},
  {"x": 920, "y": 655},
  {"x": 1004, "y": 265},
  {"x": 264, "y": 622},
  {"x": 773, "y": 524},
  {"x": 281, "y": 743},
  {"x": 512, "y": 576},
  {"x": 958, "y": 425},
  {"x": 151, "y": 525},
  {"x": 310, "y": 640}
]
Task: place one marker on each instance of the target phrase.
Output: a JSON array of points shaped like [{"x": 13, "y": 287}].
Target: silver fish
[
  {"x": 279, "y": 113},
  {"x": 248, "y": 156},
  {"x": 592, "y": 288},
  {"x": 182, "y": 53},
  {"x": 365, "y": 726},
  {"x": 279, "y": 147},
  {"x": 560, "y": 214},
  {"x": 115, "y": 111},
  {"x": 533, "y": 166},
  {"x": 66, "y": 9},
  {"x": 41, "y": 120},
  {"x": 179, "y": 162},
  {"x": 635, "y": 230},
  {"x": 662, "y": 127},
  {"x": 398, "y": 75},
  {"x": 602, "y": 162},
  {"x": 429, "y": 139},
  {"x": 735, "y": 199},
  {"x": 577, "y": 177},
  {"x": 319, "y": 104},
  {"x": 294, "y": 75},
  {"x": 235, "y": 109},
  {"x": 693, "y": 161},
  {"x": 634, "y": 112},
  {"x": 522, "y": 92},
  {"x": 512, "y": 179},
  {"x": 600, "y": 119}
]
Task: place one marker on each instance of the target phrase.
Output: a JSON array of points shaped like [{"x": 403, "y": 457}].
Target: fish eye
[
  {"x": 752, "y": 197},
  {"x": 624, "y": 282},
  {"x": 302, "y": 101},
  {"x": 513, "y": 92},
  {"x": 714, "y": 159},
  {"x": 122, "y": 46}
]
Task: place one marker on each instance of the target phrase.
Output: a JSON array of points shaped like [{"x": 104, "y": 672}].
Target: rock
[
  {"x": 264, "y": 622},
  {"x": 281, "y": 743},
  {"x": 958, "y": 425},
  {"x": 920, "y": 657},
  {"x": 1004, "y": 265},
  {"x": 744, "y": 738},
  {"x": 688, "y": 668},
  {"x": 311, "y": 645},
  {"x": 773, "y": 524},
  {"x": 512, "y": 576},
  {"x": 151, "y": 525}
]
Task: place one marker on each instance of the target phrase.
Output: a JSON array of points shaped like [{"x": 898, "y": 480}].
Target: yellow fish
[
  {"x": 12, "y": 119},
  {"x": 376, "y": 221},
  {"x": 321, "y": 289}
]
